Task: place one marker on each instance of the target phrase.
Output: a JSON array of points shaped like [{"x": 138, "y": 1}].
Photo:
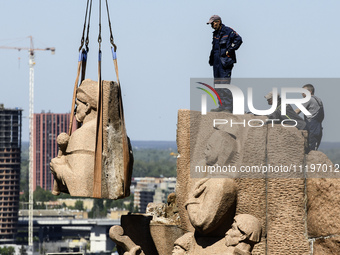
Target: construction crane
[{"x": 31, "y": 64}]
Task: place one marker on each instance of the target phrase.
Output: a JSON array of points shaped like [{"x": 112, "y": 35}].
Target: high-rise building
[
  {"x": 10, "y": 149},
  {"x": 151, "y": 190},
  {"x": 47, "y": 127}
]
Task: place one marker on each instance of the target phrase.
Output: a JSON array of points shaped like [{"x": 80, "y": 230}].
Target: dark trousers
[
  {"x": 222, "y": 76},
  {"x": 315, "y": 134}
]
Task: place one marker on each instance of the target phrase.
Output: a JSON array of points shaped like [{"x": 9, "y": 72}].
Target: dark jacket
[{"x": 225, "y": 39}]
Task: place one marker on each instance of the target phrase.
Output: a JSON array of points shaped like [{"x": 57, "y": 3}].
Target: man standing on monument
[
  {"x": 314, "y": 122},
  {"x": 222, "y": 57}
]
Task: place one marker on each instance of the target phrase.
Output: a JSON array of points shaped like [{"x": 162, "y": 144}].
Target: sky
[{"x": 161, "y": 45}]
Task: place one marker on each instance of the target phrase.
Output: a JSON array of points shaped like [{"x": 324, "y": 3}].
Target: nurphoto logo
[{"x": 239, "y": 98}]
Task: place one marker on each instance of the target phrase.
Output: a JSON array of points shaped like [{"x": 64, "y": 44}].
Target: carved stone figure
[
  {"x": 73, "y": 169},
  {"x": 221, "y": 148},
  {"x": 239, "y": 239},
  {"x": 211, "y": 202},
  {"x": 210, "y": 224},
  {"x": 183, "y": 244},
  {"x": 211, "y": 205},
  {"x": 245, "y": 232},
  {"x": 75, "y": 159},
  {"x": 125, "y": 242}
]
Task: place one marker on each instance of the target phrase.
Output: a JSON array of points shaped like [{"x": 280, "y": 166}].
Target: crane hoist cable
[
  {"x": 114, "y": 48},
  {"x": 84, "y": 59},
  {"x": 81, "y": 61}
]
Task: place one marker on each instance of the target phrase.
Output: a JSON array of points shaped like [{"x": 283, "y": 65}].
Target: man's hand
[
  {"x": 227, "y": 54},
  {"x": 211, "y": 61}
]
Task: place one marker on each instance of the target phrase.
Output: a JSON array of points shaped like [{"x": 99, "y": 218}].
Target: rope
[
  {"x": 114, "y": 48},
  {"x": 111, "y": 36},
  {"x": 82, "y": 38},
  {"x": 100, "y": 24},
  {"x": 88, "y": 29}
]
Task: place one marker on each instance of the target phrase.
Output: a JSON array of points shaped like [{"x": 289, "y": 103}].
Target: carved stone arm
[{"x": 117, "y": 235}]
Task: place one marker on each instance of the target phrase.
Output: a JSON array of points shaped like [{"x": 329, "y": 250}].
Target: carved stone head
[
  {"x": 87, "y": 92},
  {"x": 246, "y": 228},
  {"x": 220, "y": 149},
  {"x": 210, "y": 203}
]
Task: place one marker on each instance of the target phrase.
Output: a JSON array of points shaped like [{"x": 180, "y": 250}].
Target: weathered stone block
[
  {"x": 286, "y": 213},
  {"x": 323, "y": 204},
  {"x": 329, "y": 246}
]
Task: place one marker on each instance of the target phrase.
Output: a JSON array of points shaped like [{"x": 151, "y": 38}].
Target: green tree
[
  {"x": 98, "y": 210},
  {"x": 43, "y": 195},
  {"x": 24, "y": 175},
  {"x": 23, "y": 250},
  {"x": 24, "y": 167},
  {"x": 154, "y": 163},
  {"x": 79, "y": 205},
  {"x": 7, "y": 250}
]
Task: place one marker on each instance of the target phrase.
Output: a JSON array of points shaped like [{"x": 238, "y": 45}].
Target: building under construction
[{"x": 10, "y": 149}]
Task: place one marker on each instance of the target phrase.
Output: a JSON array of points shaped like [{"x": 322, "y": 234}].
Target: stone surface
[
  {"x": 329, "y": 246},
  {"x": 295, "y": 215},
  {"x": 253, "y": 189},
  {"x": 117, "y": 158},
  {"x": 164, "y": 237},
  {"x": 323, "y": 204},
  {"x": 211, "y": 206},
  {"x": 199, "y": 133},
  {"x": 124, "y": 242},
  {"x": 286, "y": 227},
  {"x": 137, "y": 228},
  {"x": 73, "y": 169},
  {"x": 270, "y": 200},
  {"x": 183, "y": 167},
  {"x": 239, "y": 239}
]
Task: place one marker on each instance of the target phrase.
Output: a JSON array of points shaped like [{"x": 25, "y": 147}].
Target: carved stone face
[
  {"x": 220, "y": 148},
  {"x": 210, "y": 153},
  {"x": 81, "y": 111},
  {"x": 233, "y": 236},
  {"x": 209, "y": 203}
]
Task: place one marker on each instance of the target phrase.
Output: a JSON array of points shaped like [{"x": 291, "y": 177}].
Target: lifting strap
[{"x": 97, "y": 180}]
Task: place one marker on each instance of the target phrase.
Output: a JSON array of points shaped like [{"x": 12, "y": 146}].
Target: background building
[
  {"x": 47, "y": 126},
  {"x": 164, "y": 188},
  {"x": 150, "y": 189},
  {"x": 10, "y": 149}
]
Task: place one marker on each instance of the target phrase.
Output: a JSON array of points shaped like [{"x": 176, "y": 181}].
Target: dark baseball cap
[{"x": 213, "y": 18}]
